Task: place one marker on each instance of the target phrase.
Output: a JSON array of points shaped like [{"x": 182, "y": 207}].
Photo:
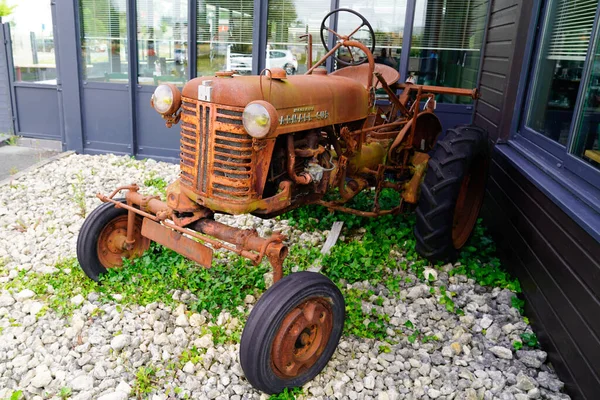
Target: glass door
[
  {"x": 162, "y": 57},
  {"x": 105, "y": 76},
  {"x": 33, "y": 75}
]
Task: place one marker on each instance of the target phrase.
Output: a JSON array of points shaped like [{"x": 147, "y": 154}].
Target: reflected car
[
  {"x": 242, "y": 63},
  {"x": 283, "y": 59}
]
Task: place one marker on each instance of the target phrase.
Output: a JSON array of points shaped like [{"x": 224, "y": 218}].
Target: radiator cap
[{"x": 278, "y": 73}]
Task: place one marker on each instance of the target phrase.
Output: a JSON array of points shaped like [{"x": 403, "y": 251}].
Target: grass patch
[
  {"x": 287, "y": 394},
  {"x": 151, "y": 278}
]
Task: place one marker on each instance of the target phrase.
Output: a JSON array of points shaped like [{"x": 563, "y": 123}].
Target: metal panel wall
[
  {"x": 6, "y": 118},
  {"x": 38, "y": 112}
]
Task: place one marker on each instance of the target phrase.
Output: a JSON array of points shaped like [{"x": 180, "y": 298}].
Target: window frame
[{"x": 554, "y": 152}]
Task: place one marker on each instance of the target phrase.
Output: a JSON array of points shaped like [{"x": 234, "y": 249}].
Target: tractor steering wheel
[{"x": 325, "y": 28}]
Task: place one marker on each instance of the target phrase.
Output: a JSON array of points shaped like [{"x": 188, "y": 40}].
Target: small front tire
[
  {"x": 292, "y": 332},
  {"x": 101, "y": 240}
]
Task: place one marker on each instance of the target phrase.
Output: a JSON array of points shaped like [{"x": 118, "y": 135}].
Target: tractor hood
[{"x": 301, "y": 101}]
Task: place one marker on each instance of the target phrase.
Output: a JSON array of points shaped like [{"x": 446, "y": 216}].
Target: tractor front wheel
[
  {"x": 452, "y": 193},
  {"x": 292, "y": 332},
  {"x": 101, "y": 243}
]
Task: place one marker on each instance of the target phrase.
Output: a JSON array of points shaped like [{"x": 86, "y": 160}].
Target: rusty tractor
[{"x": 270, "y": 143}]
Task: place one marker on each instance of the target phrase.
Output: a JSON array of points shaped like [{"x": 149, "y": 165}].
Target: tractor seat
[{"x": 359, "y": 73}]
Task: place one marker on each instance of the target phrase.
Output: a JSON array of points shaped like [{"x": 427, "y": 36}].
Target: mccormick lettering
[{"x": 298, "y": 117}]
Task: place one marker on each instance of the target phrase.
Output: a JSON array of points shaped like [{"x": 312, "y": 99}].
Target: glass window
[
  {"x": 558, "y": 72},
  {"x": 33, "y": 42},
  {"x": 387, "y": 20},
  {"x": 224, "y": 36},
  {"x": 162, "y": 41},
  {"x": 288, "y": 20},
  {"x": 446, "y": 44},
  {"x": 585, "y": 142},
  {"x": 104, "y": 40}
]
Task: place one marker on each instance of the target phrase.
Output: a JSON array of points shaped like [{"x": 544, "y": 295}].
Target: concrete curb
[{"x": 35, "y": 166}]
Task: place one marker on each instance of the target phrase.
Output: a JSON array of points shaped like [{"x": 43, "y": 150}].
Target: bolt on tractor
[{"x": 269, "y": 143}]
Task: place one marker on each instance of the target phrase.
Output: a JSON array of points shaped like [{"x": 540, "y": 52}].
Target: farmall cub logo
[{"x": 303, "y": 114}]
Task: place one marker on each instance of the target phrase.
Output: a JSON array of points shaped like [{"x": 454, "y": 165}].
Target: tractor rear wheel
[
  {"x": 101, "y": 240},
  {"x": 452, "y": 193},
  {"x": 292, "y": 332}
]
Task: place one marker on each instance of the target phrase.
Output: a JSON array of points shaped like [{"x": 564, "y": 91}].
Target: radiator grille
[{"x": 216, "y": 153}]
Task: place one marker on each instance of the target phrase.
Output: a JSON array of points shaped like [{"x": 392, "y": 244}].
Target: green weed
[
  {"x": 287, "y": 394},
  {"x": 530, "y": 339},
  {"x": 145, "y": 381},
  {"x": 16, "y": 395},
  {"x": 79, "y": 194},
  {"x": 65, "y": 393}
]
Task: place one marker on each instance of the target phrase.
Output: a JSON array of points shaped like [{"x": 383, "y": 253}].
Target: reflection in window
[
  {"x": 558, "y": 74},
  {"x": 585, "y": 143},
  {"x": 162, "y": 41},
  {"x": 387, "y": 20},
  {"x": 446, "y": 44},
  {"x": 224, "y": 39},
  {"x": 33, "y": 42},
  {"x": 288, "y": 20},
  {"x": 103, "y": 40}
]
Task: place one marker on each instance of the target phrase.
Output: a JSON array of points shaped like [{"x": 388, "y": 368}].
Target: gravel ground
[{"x": 97, "y": 355}]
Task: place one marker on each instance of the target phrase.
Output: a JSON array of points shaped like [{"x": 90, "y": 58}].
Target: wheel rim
[
  {"x": 302, "y": 338},
  {"x": 469, "y": 201},
  {"x": 111, "y": 246}
]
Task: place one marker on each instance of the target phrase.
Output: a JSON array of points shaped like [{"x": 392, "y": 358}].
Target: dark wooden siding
[
  {"x": 558, "y": 264},
  {"x": 496, "y": 83},
  {"x": 557, "y": 261}
]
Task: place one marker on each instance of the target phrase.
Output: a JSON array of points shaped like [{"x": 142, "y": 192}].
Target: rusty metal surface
[
  {"x": 473, "y": 93},
  {"x": 359, "y": 73},
  {"x": 112, "y": 242},
  {"x": 248, "y": 240},
  {"x": 410, "y": 194},
  {"x": 302, "y": 337},
  {"x": 176, "y": 241},
  {"x": 287, "y": 95},
  {"x": 469, "y": 201}
]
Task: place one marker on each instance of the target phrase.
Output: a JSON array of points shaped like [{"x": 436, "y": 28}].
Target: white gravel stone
[
  {"x": 120, "y": 341},
  {"x": 502, "y": 352},
  {"x": 77, "y": 300},
  {"x": 24, "y": 295},
  {"x": 124, "y": 387},
  {"x": 6, "y": 300},
  {"x": 82, "y": 382},
  {"x": 197, "y": 320},
  {"x": 88, "y": 353},
  {"x": 116, "y": 395},
  {"x": 42, "y": 377},
  {"x": 182, "y": 320}
]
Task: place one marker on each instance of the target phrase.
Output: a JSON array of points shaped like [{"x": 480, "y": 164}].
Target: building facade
[
  {"x": 540, "y": 104},
  {"x": 83, "y": 71}
]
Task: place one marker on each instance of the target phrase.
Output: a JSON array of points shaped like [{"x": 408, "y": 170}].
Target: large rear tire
[
  {"x": 292, "y": 332},
  {"x": 452, "y": 193}
]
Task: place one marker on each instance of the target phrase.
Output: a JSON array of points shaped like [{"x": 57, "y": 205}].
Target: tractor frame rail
[{"x": 161, "y": 225}]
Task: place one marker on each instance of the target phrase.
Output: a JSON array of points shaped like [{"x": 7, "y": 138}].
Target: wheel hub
[
  {"x": 112, "y": 242},
  {"x": 302, "y": 337},
  {"x": 469, "y": 201}
]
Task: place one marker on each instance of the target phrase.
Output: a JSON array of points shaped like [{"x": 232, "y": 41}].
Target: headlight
[
  {"x": 166, "y": 99},
  {"x": 260, "y": 119}
]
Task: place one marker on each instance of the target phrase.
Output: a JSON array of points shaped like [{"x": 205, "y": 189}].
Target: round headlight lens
[
  {"x": 257, "y": 120},
  {"x": 162, "y": 99}
]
